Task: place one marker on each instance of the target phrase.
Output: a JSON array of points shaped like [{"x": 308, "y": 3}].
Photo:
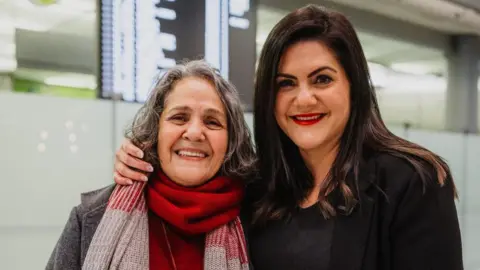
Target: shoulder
[
  {"x": 391, "y": 164},
  {"x": 400, "y": 178},
  {"x": 397, "y": 172},
  {"x": 77, "y": 233},
  {"x": 419, "y": 213},
  {"x": 94, "y": 199}
]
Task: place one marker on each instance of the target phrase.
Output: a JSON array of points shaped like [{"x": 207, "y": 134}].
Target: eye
[
  {"x": 323, "y": 79},
  {"x": 178, "y": 118},
  {"x": 213, "y": 123},
  {"x": 285, "y": 83}
]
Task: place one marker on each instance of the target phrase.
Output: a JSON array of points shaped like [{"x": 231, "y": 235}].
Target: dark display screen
[{"x": 141, "y": 39}]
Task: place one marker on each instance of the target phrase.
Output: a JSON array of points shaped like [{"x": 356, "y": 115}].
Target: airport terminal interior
[{"x": 67, "y": 91}]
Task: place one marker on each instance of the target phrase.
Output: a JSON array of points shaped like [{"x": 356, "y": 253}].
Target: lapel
[
  {"x": 351, "y": 230},
  {"x": 93, "y": 207},
  {"x": 90, "y": 223}
]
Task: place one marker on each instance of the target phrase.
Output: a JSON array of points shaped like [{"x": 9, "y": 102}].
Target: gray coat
[{"x": 71, "y": 248}]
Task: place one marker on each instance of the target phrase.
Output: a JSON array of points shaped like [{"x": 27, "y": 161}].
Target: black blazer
[{"x": 399, "y": 223}]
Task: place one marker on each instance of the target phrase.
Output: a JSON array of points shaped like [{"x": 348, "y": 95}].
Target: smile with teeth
[
  {"x": 308, "y": 119},
  {"x": 189, "y": 153}
]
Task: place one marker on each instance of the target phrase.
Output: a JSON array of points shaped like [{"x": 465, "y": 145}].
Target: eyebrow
[
  {"x": 180, "y": 108},
  {"x": 313, "y": 73},
  {"x": 214, "y": 112},
  {"x": 211, "y": 111}
]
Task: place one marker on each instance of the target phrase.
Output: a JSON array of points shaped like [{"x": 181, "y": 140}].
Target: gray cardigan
[{"x": 71, "y": 249}]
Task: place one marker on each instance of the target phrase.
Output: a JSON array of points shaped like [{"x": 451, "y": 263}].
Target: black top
[
  {"x": 302, "y": 243},
  {"x": 400, "y": 222}
]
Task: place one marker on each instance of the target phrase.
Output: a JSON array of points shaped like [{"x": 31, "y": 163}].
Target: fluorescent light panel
[{"x": 72, "y": 81}]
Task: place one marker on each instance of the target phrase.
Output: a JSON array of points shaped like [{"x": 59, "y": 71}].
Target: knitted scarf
[{"x": 121, "y": 240}]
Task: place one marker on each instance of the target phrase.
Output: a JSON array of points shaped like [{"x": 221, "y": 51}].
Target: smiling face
[
  {"x": 193, "y": 136},
  {"x": 313, "y": 100}
]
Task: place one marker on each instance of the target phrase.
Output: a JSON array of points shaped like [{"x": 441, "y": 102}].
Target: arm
[
  {"x": 127, "y": 157},
  {"x": 425, "y": 233},
  {"x": 66, "y": 254}
]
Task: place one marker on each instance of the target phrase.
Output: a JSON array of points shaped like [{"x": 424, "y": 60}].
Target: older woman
[{"x": 192, "y": 131}]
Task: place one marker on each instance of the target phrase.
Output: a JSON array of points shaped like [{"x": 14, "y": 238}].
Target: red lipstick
[{"x": 307, "y": 119}]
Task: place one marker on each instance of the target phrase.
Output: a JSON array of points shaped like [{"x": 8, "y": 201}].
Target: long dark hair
[{"x": 284, "y": 178}]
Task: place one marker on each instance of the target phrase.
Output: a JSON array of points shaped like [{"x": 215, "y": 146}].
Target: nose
[
  {"x": 194, "y": 131},
  {"x": 305, "y": 97}
]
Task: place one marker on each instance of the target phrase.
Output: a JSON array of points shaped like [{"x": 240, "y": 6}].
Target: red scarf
[{"x": 181, "y": 216}]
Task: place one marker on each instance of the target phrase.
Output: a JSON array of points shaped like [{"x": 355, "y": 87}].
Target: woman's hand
[{"x": 127, "y": 159}]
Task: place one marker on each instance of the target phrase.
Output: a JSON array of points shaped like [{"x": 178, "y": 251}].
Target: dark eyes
[
  {"x": 181, "y": 119},
  {"x": 320, "y": 79},
  {"x": 178, "y": 118},
  {"x": 213, "y": 123},
  {"x": 285, "y": 83},
  {"x": 323, "y": 79}
]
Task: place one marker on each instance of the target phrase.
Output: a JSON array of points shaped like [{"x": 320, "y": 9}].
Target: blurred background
[{"x": 74, "y": 72}]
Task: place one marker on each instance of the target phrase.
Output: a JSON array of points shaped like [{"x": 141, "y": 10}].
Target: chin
[
  {"x": 306, "y": 144},
  {"x": 192, "y": 180}
]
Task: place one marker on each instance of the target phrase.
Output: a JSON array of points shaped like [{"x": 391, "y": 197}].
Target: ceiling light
[
  {"x": 22, "y": 23},
  {"x": 74, "y": 82},
  {"x": 401, "y": 82},
  {"x": 412, "y": 68}
]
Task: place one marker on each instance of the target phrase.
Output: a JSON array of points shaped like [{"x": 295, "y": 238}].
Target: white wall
[
  {"x": 40, "y": 187},
  {"x": 420, "y": 109},
  {"x": 52, "y": 149}
]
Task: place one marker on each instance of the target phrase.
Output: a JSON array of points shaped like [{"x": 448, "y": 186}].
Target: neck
[{"x": 319, "y": 161}]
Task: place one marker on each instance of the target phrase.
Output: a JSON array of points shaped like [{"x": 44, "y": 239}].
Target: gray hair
[{"x": 240, "y": 158}]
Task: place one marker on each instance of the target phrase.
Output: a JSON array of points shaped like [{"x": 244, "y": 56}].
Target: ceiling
[
  {"x": 475, "y": 4},
  {"x": 69, "y": 79},
  {"x": 397, "y": 54},
  {"x": 399, "y": 9},
  {"x": 63, "y": 37}
]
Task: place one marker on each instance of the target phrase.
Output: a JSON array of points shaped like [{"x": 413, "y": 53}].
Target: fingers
[
  {"x": 131, "y": 149},
  {"x": 124, "y": 171},
  {"x": 133, "y": 162},
  {"x": 121, "y": 180}
]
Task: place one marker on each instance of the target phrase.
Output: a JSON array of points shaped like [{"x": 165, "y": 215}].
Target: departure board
[{"x": 141, "y": 39}]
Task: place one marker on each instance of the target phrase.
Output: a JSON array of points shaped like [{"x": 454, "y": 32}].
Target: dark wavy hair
[
  {"x": 284, "y": 178},
  {"x": 240, "y": 158}
]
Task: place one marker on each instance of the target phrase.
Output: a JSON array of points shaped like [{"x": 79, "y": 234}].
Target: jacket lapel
[
  {"x": 351, "y": 229},
  {"x": 89, "y": 225}
]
